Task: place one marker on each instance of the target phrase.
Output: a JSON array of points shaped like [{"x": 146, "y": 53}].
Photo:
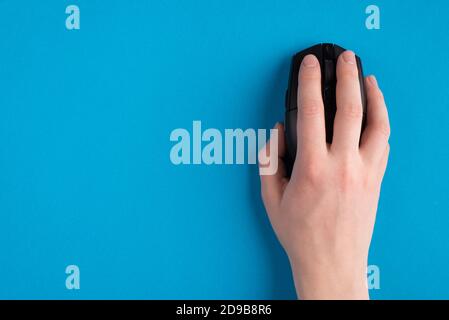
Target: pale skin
[{"x": 324, "y": 214}]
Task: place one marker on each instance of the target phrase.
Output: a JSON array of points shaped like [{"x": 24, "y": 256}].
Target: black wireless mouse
[{"x": 327, "y": 55}]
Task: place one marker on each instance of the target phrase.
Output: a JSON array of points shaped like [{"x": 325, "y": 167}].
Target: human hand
[{"x": 324, "y": 214}]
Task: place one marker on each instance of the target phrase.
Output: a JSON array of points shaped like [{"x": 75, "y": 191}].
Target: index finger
[{"x": 310, "y": 123}]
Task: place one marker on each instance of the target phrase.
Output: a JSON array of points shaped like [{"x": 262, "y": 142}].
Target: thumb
[{"x": 273, "y": 181}]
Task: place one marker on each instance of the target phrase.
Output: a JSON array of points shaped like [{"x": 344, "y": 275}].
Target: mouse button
[
  {"x": 338, "y": 51},
  {"x": 292, "y": 81},
  {"x": 315, "y": 50}
]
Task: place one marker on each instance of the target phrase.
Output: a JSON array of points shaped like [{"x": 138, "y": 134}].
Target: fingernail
[
  {"x": 373, "y": 80},
  {"x": 349, "y": 57},
  {"x": 309, "y": 61}
]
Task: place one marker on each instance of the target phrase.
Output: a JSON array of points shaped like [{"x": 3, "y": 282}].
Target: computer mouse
[{"x": 327, "y": 54}]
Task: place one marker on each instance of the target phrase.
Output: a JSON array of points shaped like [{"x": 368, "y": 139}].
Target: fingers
[
  {"x": 310, "y": 123},
  {"x": 384, "y": 160},
  {"x": 273, "y": 184},
  {"x": 377, "y": 131},
  {"x": 348, "y": 119}
]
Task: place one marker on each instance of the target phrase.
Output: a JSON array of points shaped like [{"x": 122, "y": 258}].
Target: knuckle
[
  {"x": 371, "y": 180},
  {"x": 378, "y": 95},
  {"x": 347, "y": 180},
  {"x": 309, "y": 107},
  {"x": 352, "y": 110},
  {"x": 348, "y": 177},
  {"x": 312, "y": 172},
  {"x": 371, "y": 183},
  {"x": 383, "y": 128}
]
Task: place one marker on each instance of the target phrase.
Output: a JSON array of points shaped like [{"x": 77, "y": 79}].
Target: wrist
[{"x": 331, "y": 283}]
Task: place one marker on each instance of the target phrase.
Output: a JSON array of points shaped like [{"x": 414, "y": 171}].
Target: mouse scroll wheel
[{"x": 329, "y": 71}]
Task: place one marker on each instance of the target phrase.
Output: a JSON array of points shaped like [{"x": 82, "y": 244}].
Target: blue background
[{"x": 85, "y": 119}]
